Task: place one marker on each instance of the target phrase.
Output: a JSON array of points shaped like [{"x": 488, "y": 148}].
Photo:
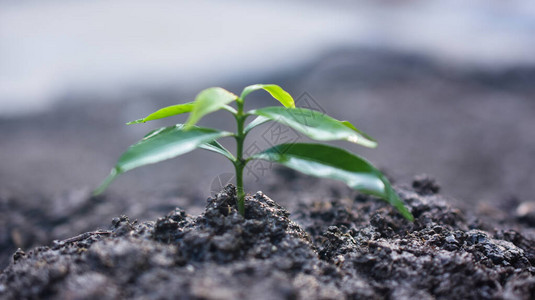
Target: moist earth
[{"x": 345, "y": 249}]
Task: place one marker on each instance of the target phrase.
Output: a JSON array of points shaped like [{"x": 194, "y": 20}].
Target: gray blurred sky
[{"x": 56, "y": 48}]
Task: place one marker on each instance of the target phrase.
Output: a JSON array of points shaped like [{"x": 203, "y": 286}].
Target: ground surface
[
  {"x": 349, "y": 248},
  {"x": 472, "y": 129}
]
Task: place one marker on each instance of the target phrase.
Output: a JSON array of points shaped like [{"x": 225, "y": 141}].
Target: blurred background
[{"x": 446, "y": 87}]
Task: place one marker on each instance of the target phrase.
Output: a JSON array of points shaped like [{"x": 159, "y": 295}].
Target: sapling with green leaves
[{"x": 313, "y": 159}]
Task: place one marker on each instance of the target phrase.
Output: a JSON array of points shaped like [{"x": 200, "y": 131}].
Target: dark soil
[
  {"x": 349, "y": 248},
  {"x": 471, "y": 128}
]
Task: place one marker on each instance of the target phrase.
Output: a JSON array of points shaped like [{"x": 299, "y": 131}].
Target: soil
[
  {"x": 343, "y": 249},
  {"x": 471, "y": 128}
]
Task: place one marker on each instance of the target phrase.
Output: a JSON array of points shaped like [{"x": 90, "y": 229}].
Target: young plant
[{"x": 312, "y": 159}]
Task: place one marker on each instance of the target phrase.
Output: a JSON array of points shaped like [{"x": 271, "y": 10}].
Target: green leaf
[
  {"x": 209, "y": 101},
  {"x": 335, "y": 163},
  {"x": 213, "y": 146},
  {"x": 256, "y": 122},
  {"x": 348, "y": 124},
  {"x": 166, "y": 112},
  {"x": 160, "y": 145},
  {"x": 274, "y": 90},
  {"x": 216, "y": 147},
  {"x": 315, "y": 125}
]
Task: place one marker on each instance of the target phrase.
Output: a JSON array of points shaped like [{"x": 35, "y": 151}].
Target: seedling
[{"x": 312, "y": 159}]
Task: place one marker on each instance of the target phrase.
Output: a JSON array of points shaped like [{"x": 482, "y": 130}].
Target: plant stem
[
  {"x": 241, "y": 194},
  {"x": 239, "y": 164}
]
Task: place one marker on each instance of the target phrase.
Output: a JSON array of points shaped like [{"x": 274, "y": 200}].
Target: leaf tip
[
  {"x": 362, "y": 141},
  {"x": 406, "y": 214},
  {"x": 394, "y": 199},
  {"x": 138, "y": 121},
  {"x": 104, "y": 185},
  {"x": 371, "y": 144}
]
